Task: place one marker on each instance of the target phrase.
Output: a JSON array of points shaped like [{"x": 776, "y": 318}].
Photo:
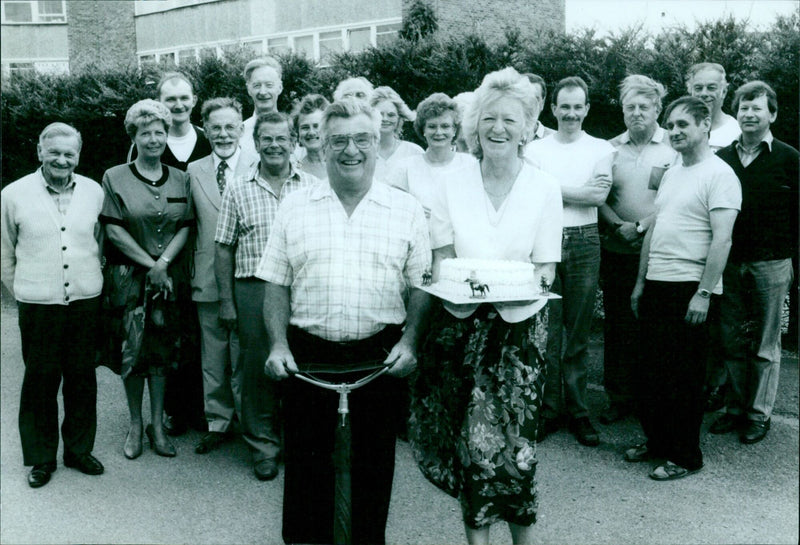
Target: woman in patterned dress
[{"x": 476, "y": 397}]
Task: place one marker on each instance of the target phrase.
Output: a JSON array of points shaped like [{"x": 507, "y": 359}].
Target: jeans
[
  {"x": 752, "y": 305},
  {"x": 576, "y": 282},
  {"x": 618, "y": 274}
]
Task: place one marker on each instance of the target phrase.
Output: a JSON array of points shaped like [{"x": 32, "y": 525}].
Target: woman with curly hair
[{"x": 476, "y": 397}]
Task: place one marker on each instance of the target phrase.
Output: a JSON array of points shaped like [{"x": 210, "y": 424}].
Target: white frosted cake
[{"x": 487, "y": 279}]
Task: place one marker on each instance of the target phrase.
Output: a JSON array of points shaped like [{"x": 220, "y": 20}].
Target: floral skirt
[{"x": 474, "y": 412}]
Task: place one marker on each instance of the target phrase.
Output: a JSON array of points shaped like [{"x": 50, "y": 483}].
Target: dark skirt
[{"x": 474, "y": 412}]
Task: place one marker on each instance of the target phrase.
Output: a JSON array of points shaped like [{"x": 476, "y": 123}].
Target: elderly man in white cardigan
[{"x": 51, "y": 264}]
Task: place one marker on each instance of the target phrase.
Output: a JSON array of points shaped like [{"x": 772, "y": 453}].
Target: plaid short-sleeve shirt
[
  {"x": 246, "y": 215},
  {"x": 348, "y": 275}
]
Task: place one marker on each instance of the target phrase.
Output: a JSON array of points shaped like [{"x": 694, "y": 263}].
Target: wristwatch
[
  {"x": 705, "y": 294},
  {"x": 639, "y": 228}
]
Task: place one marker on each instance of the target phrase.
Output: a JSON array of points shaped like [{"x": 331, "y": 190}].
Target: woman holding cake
[{"x": 479, "y": 386}]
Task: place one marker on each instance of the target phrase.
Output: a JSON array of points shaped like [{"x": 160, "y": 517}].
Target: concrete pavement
[{"x": 745, "y": 494}]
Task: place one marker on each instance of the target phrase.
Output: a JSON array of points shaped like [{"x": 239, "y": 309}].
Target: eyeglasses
[
  {"x": 268, "y": 140},
  {"x": 362, "y": 140}
]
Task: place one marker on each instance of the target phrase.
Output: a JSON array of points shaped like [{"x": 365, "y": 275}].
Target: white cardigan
[{"x": 48, "y": 258}]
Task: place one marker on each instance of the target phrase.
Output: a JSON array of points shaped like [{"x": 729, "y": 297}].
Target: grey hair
[
  {"x": 144, "y": 112},
  {"x": 404, "y": 113},
  {"x": 637, "y": 84},
  {"x": 502, "y": 83},
  {"x": 699, "y": 67},
  {"x": 350, "y": 107},
  {"x": 338, "y": 94},
  {"x": 60, "y": 129},
  {"x": 255, "y": 64}
]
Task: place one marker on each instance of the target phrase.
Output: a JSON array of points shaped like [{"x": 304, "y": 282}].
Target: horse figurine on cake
[{"x": 476, "y": 286}]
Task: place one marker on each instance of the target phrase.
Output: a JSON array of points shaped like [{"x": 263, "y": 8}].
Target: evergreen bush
[{"x": 95, "y": 101}]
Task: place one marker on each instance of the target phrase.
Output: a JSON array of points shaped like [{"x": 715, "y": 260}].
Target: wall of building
[
  {"x": 100, "y": 34},
  {"x": 28, "y": 42},
  {"x": 492, "y": 17},
  {"x": 285, "y": 16}
]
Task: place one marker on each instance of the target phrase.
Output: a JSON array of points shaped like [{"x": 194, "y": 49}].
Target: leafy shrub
[{"x": 95, "y": 101}]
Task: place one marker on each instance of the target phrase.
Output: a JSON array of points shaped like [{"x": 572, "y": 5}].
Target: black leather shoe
[
  {"x": 754, "y": 432},
  {"x": 174, "y": 427},
  {"x": 85, "y": 463},
  {"x": 40, "y": 474},
  {"x": 614, "y": 413},
  {"x": 584, "y": 432},
  {"x": 547, "y": 426},
  {"x": 727, "y": 423},
  {"x": 210, "y": 441},
  {"x": 266, "y": 470}
]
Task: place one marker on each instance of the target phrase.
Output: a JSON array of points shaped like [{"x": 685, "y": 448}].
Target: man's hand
[
  {"x": 627, "y": 231},
  {"x": 638, "y": 289},
  {"x": 280, "y": 363},
  {"x": 402, "y": 359},
  {"x": 227, "y": 314},
  {"x": 698, "y": 310}
]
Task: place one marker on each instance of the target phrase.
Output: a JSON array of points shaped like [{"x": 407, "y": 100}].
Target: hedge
[{"x": 95, "y": 100}]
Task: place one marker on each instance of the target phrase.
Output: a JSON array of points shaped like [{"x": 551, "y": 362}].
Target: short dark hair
[
  {"x": 536, "y": 79},
  {"x": 214, "y": 104},
  {"x": 273, "y": 117},
  {"x": 754, "y": 89},
  {"x": 693, "y": 105},
  {"x": 169, "y": 76},
  {"x": 307, "y": 105},
  {"x": 571, "y": 81}
]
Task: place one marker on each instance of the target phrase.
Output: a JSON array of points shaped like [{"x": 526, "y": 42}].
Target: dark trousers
[
  {"x": 672, "y": 373},
  {"x": 260, "y": 394},
  {"x": 58, "y": 341},
  {"x": 621, "y": 329},
  {"x": 310, "y": 421}
]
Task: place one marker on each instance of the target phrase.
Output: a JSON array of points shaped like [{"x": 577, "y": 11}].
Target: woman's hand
[{"x": 158, "y": 276}]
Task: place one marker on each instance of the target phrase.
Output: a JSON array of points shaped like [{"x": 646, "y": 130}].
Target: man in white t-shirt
[
  {"x": 571, "y": 156},
  {"x": 264, "y": 85},
  {"x": 706, "y": 81},
  {"x": 683, "y": 256}
]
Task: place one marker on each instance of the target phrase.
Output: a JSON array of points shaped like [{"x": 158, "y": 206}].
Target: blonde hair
[
  {"x": 350, "y": 107},
  {"x": 495, "y": 85},
  {"x": 144, "y": 112},
  {"x": 404, "y": 113}
]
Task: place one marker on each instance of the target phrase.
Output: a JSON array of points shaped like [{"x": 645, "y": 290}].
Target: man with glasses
[
  {"x": 338, "y": 265},
  {"x": 246, "y": 216},
  {"x": 219, "y": 347}
]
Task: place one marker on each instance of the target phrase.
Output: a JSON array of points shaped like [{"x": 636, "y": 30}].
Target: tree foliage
[{"x": 420, "y": 63}]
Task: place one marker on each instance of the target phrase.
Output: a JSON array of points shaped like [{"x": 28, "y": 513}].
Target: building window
[
  {"x": 208, "y": 53},
  {"x": 147, "y": 60},
  {"x": 304, "y": 45},
  {"x": 186, "y": 56},
  {"x": 330, "y": 44},
  {"x": 21, "y": 68},
  {"x": 17, "y": 11},
  {"x": 359, "y": 38},
  {"x": 167, "y": 60},
  {"x": 256, "y": 47},
  {"x": 277, "y": 45},
  {"x": 386, "y": 33}
]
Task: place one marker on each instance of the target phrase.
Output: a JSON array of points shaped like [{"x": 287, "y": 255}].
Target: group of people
[{"x": 284, "y": 240}]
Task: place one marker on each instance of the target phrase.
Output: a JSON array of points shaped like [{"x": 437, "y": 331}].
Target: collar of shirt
[
  {"x": 539, "y": 132},
  {"x": 657, "y": 138},
  {"x": 768, "y": 138},
  {"x": 232, "y": 161},
  {"x": 255, "y": 176},
  {"x": 69, "y": 185},
  {"x": 378, "y": 193}
]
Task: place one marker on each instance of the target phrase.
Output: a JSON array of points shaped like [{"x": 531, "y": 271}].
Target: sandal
[
  {"x": 670, "y": 471},
  {"x": 639, "y": 453}
]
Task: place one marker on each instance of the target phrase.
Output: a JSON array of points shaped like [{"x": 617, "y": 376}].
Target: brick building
[{"x": 61, "y": 35}]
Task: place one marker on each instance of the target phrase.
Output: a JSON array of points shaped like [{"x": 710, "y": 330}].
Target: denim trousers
[
  {"x": 570, "y": 322},
  {"x": 752, "y": 306}
]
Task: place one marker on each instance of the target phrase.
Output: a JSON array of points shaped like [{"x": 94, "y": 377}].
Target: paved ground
[{"x": 746, "y": 494}]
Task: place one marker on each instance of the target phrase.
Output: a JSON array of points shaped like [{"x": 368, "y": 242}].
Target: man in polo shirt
[
  {"x": 338, "y": 265},
  {"x": 51, "y": 264},
  {"x": 759, "y": 269},
  {"x": 626, "y": 216},
  {"x": 571, "y": 155},
  {"x": 707, "y": 81},
  {"x": 682, "y": 259},
  {"x": 245, "y": 221},
  {"x": 263, "y": 79}
]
